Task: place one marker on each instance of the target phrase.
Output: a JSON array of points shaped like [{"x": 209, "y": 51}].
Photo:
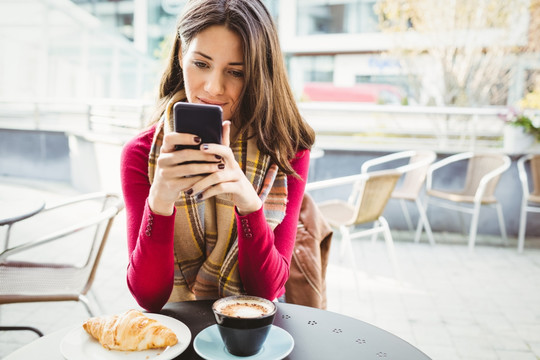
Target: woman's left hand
[{"x": 231, "y": 179}]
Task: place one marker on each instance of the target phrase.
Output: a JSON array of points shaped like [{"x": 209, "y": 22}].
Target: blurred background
[
  {"x": 79, "y": 78},
  {"x": 467, "y": 53}
]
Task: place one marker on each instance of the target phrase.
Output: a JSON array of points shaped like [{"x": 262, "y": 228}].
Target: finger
[
  {"x": 212, "y": 180},
  {"x": 223, "y": 186},
  {"x": 193, "y": 169},
  {"x": 186, "y": 184},
  {"x": 220, "y": 152},
  {"x": 190, "y": 155},
  {"x": 178, "y": 182},
  {"x": 172, "y": 139},
  {"x": 212, "y": 191},
  {"x": 176, "y": 158},
  {"x": 225, "y": 139}
]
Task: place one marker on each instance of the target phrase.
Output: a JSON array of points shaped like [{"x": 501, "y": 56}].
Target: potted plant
[{"x": 523, "y": 128}]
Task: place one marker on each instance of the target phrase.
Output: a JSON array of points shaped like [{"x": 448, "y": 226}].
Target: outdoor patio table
[{"x": 317, "y": 334}]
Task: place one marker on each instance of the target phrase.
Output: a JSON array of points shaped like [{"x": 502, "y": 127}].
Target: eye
[
  {"x": 199, "y": 64},
  {"x": 237, "y": 73}
]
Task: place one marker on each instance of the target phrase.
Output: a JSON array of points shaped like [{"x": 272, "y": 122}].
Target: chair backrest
[
  {"x": 535, "y": 174},
  {"x": 90, "y": 218},
  {"x": 478, "y": 167},
  {"x": 371, "y": 194},
  {"x": 414, "y": 173},
  {"x": 413, "y": 180},
  {"x": 533, "y": 161}
]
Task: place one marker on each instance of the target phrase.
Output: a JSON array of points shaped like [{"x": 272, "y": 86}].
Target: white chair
[
  {"x": 36, "y": 269},
  {"x": 365, "y": 205},
  {"x": 411, "y": 184},
  {"x": 530, "y": 201},
  {"x": 481, "y": 179}
]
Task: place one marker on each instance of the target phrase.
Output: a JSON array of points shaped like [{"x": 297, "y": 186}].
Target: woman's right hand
[{"x": 171, "y": 176}]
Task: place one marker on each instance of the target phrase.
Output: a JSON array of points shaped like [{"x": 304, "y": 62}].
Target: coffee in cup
[{"x": 244, "y": 322}]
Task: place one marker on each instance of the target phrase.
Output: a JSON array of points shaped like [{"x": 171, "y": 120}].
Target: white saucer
[{"x": 208, "y": 344}]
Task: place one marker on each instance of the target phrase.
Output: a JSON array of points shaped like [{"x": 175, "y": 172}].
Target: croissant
[{"x": 130, "y": 331}]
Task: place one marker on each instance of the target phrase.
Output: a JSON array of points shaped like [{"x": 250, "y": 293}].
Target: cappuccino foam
[{"x": 244, "y": 309}]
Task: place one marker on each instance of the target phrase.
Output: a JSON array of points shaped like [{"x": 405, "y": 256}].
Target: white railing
[
  {"x": 445, "y": 129},
  {"x": 338, "y": 125},
  {"x": 117, "y": 117}
]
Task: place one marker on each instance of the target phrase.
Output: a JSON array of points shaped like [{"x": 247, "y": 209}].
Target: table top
[{"x": 318, "y": 334}]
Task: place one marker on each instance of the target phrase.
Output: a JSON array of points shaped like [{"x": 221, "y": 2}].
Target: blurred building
[
  {"x": 53, "y": 49},
  {"x": 339, "y": 42},
  {"x": 148, "y": 23},
  {"x": 112, "y": 49}
]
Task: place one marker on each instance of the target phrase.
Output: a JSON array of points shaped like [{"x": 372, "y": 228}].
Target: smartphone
[{"x": 202, "y": 120}]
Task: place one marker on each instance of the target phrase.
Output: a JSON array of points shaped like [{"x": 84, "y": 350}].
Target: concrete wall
[
  {"x": 34, "y": 154},
  {"x": 60, "y": 157}
]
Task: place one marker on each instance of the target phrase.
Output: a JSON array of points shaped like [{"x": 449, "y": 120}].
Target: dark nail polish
[
  {"x": 197, "y": 139},
  {"x": 189, "y": 191},
  {"x": 221, "y": 166},
  {"x": 199, "y": 196},
  {"x": 218, "y": 157}
]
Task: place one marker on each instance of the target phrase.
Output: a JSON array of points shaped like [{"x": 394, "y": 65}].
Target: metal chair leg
[
  {"x": 88, "y": 306},
  {"x": 390, "y": 247},
  {"x": 420, "y": 225},
  {"x": 474, "y": 227},
  {"x": 406, "y": 214},
  {"x": 522, "y": 225},
  {"x": 21, "y": 328},
  {"x": 502, "y": 226},
  {"x": 425, "y": 221},
  {"x": 346, "y": 247}
]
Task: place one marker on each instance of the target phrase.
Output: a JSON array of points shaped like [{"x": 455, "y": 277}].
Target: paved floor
[{"x": 450, "y": 303}]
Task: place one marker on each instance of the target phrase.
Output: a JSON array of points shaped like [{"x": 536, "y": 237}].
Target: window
[
  {"x": 318, "y": 68},
  {"x": 336, "y": 17}
]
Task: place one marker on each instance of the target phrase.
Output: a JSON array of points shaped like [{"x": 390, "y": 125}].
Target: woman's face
[{"x": 213, "y": 67}]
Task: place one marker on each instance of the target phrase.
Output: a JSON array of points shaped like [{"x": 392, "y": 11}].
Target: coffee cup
[{"x": 244, "y": 322}]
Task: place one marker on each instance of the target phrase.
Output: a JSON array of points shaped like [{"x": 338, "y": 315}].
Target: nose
[{"x": 215, "y": 83}]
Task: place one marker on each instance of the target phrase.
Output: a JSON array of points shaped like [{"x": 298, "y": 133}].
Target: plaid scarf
[{"x": 205, "y": 232}]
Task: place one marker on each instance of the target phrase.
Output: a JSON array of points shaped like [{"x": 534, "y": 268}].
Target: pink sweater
[{"x": 263, "y": 258}]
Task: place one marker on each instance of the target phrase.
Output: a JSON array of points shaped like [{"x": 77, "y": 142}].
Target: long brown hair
[{"x": 267, "y": 108}]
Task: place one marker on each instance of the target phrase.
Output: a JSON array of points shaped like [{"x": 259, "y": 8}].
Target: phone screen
[{"x": 202, "y": 120}]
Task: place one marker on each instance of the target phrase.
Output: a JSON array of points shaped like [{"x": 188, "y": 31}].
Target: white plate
[
  {"x": 209, "y": 345},
  {"x": 79, "y": 345}
]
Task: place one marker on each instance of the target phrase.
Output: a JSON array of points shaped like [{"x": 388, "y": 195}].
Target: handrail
[
  {"x": 113, "y": 116},
  {"x": 339, "y": 126},
  {"x": 355, "y": 126},
  {"x": 397, "y": 109}
]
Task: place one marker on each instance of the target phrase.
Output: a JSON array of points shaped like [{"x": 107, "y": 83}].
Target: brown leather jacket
[{"x": 307, "y": 279}]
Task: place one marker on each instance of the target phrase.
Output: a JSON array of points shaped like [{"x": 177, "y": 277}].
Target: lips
[{"x": 211, "y": 102}]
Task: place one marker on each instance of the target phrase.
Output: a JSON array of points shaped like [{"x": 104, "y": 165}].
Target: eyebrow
[{"x": 210, "y": 58}]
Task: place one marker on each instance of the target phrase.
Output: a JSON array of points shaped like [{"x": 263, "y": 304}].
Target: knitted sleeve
[
  {"x": 264, "y": 255},
  {"x": 150, "y": 271}
]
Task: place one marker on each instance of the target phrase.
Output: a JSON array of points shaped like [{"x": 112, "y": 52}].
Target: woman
[{"x": 231, "y": 230}]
